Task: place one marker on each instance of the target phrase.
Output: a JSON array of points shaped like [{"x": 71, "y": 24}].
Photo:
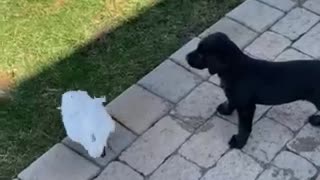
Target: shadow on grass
[{"x": 108, "y": 65}]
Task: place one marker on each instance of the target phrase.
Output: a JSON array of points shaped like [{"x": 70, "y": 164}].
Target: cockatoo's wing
[
  {"x": 86, "y": 121},
  {"x": 72, "y": 110},
  {"x": 101, "y": 125}
]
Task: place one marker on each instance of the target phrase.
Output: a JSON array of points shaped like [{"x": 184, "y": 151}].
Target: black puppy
[{"x": 247, "y": 81}]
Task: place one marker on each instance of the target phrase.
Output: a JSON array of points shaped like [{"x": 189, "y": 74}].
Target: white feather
[{"x": 86, "y": 121}]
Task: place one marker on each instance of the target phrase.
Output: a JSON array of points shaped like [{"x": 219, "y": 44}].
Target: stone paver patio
[{"x": 167, "y": 127}]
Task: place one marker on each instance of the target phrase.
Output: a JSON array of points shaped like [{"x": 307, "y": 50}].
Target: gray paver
[
  {"x": 299, "y": 2},
  {"x": 117, "y": 142},
  {"x": 215, "y": 79},
  {"x": 151, "y": 149},
  {"x": 110, "y": 155},
  {"x": 238, "y": 33},
  {"x": 307, "y": 144},
  {"x": 131, "y": 106},
  {"x": 250, "y": 55},
  {"x": 199, "y": 105},
  {"x": 180, "y": 57},
  {"x": 170, "y": 81},
  {"x": 292, "y": 54},
  {"x": 312, "y": 5},
  {"x": 268, "y": 138},
  {"x": 60, "y": 163},
  {"x": 301, "y": 168},
  {"x": 208, "y": 145},
  {"x": 118, "y": 171},
  {"x": 120, "y": 139},
  {"x": 177, "y": 168},
  {"x": 260, "y": 111},
  {"x": 284, "y": 5},
  {"x": 235, "y": 165},
  {"x": 310, "y": 42},
  {"x": 293, "y": 115},
  {"x": 289, "y": 166},
  {"x": 255, "y": 15},
  {"x": 295, "y": 23},
  {"x": 268, "y": 46}
]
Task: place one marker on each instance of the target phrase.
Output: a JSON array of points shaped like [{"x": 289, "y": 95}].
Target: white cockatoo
[{"x": 86, "y": 121}]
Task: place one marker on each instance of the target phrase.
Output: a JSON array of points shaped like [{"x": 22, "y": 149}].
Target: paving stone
[
  {"x": 289, "y": 166},
  {"x": 302, "y": 168},
  {"x": 199, "y": 105},
  {"x": 60, "y": 163},
  {"x": 284, "y": 5},
  {"x": 170, "y": 81},
  {"x": 267, "y": 139},
  {"x": 215, "y": 79},
  {"x": 235, "y": 165},
  {"x": 299, "y": 2},
  {"x": 292, "y": 54},
  {"x": 307, "y": 144},
  {"x": 293, "y": 115},
  {"x": 260, "y": 111},
  {"x": 207, "y": 146},
  {"x": 310, "y": 42},
  {"x": 155, "y": 145},
  {"x": 177, "y": 168},
  {"x": 120, "y": 139},
  {"x": 180, "y": 57},
  {"x": 131, "y": 106},
  {"x": 250, "y": 55},
  {"x": 238, "y": 33},
  {"x": 255, "y": 15},
  {"x": 312, "y": 5},
  {"x": 117, "y": 142},
  {"x": 295, "y": 23},
  {"x": 268, "y": 46},
  {"x": 118, "y": 171},
  {"x": 110, "y": 155}
]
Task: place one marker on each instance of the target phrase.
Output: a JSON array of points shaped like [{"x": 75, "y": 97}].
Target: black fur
[{"x": 248, "y": 81}]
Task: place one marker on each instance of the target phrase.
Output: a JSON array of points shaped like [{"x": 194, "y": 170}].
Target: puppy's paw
[
  {"x": 235, "y": 143},
  {"x": 224, "y": 109}
]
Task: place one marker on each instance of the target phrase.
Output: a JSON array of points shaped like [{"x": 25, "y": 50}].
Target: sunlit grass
[
  {"x": 37, "y": 33},
  {"x": 48, "y": 45}
]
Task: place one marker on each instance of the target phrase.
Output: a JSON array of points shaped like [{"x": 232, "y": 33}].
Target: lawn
[{"x": 102, "y": 46}]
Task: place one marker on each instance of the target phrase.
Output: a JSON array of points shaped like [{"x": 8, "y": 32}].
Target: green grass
[{"x": 94, "y": 45}]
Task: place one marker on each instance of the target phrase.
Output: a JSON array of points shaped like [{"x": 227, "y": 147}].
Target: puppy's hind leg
[
  {"x": 244, "y": 127},
  {"x": 226, "y": 108},
  {"x": 314, "y": 120}
]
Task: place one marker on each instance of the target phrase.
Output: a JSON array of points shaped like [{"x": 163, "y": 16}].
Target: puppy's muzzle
[{"x": 195, "y": 60}]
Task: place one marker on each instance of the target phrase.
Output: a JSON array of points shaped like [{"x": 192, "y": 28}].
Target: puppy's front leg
[
  {"x": 244, "y": 127},
  {"x": 226, "y": 108}
]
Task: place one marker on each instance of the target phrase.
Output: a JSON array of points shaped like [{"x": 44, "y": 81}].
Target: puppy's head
[{"x": 215, "y": 52}]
